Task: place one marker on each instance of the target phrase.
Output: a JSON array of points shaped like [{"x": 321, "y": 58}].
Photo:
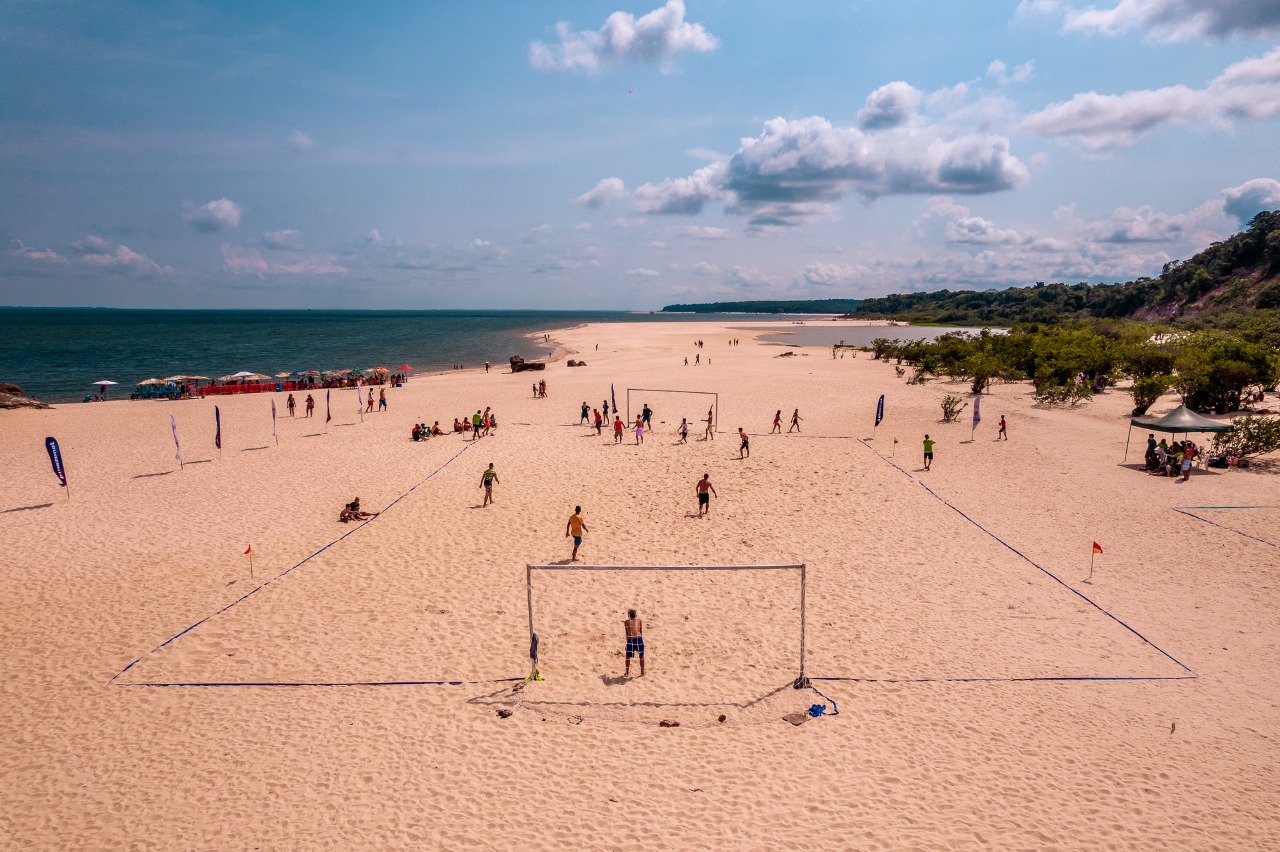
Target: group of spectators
[{"x": 1170, "y": 459}]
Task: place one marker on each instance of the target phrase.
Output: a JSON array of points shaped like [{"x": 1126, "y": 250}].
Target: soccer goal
[
  {"x": 693, "y": 427},
  {"x": 702, "y": 623}
]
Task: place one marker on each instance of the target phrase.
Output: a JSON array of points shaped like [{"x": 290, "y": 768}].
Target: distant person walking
[
  {"x": 595, "y": 413},
  {"x": 795, "y": 422},
  {"x": 1003, "y": 434},
  {"x": 634, "y": 629},
  {"x": 576, "y": 527},
  {"x": 777, "y": 423},
  {"x": 928, "y": 452},
  {"x": 290, "y": 404},
  {"x": 639, "y": 429},
  {"x": 744, "y": 449},
  {"x": 705, "y": 489},
  {"x": 487, "y": 481},
  {"x": 683, "y": 431},
  {"x": 617, "y": 428},
  {"x": 368, "y": 407},
  {"x": 311, "y": 404}
]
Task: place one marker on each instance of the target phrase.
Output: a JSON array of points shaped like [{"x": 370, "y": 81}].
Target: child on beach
[
  {"x": 777, "y": 423},
  {"x": 683, "y": 431}
]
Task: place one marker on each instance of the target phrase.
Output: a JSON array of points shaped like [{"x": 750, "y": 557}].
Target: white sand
[{"x": 900, "y": 587}]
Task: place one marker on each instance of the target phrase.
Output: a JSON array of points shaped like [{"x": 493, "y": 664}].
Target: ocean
[{"x": 56, "y": 354}]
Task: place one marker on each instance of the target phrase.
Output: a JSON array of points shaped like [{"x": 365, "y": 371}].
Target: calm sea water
[{"x": 56, "y": 354}]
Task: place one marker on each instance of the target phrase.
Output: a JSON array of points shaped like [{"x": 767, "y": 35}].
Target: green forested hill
[{"x": 1229, "y": 283}]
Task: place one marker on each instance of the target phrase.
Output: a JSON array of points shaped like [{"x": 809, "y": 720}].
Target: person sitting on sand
[
  {"x": 416, "y": 434},
  {"x": 435, "y": 428},
  {"x": 351, "y": 512}
]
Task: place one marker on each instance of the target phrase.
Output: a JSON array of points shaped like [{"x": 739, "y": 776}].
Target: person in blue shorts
[{"x": 634, "y": 628}]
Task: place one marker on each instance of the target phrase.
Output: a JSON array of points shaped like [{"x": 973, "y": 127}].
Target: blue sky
[{"x": 601, "y": 155}]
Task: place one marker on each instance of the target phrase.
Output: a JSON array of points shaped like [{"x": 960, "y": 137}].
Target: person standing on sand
[
  {"x": 744, "y": 449},
  {"x": 704, "y": 499},
  {"x": 595, "y": 413},
  {"x": 795, "y": 422},
  {"x": 617, "y": 428},
  {"x": 634, "y": 628},
  {"x": 647, "y": 414},
  {"x": 487, "y": 480},
  {"x": 777, "y": 423},
  {"x": 710, "y": 434},
  {"x": 576, "y": 527},
  {"x": 476, "y": 420},
  {"x": 290, "y": 404},
  {"x": 311, "y": 404},
  {"x": 586, "y": 412},
  {"x": 683, "y": 431},
  {"x": 928, "y": 452},
  {"x": 382, "y": 399},
  {"x": 639, "y": 429},
  {"x": 605, "y": 407},
  {"x": 696, "y": 359},
  {"x": 1003, "y": 434}
]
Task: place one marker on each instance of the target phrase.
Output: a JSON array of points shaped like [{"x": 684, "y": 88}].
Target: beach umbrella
[
  {"x": 102, "y": 383},
  {"x": 284, "y": 375},
  {"x": 254, "y": 377},
  {"x": 152, "y": 382},
  {"x": 403, "y": 367}
]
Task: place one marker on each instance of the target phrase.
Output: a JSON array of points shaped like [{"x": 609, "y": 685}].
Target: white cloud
[
  {"x": 643, "y": 273},
  {"x": 609, "y": 189},
  {"x": 681, "y": 195},
  {"x": 220, "y": 215},
  {"x": 1245, "y": 90},
  {"x": 975, "y": 229},
  {"x": 750, "y": 278},
  {"x": 479, "y": 243},
  {"x": 1000, "y": 72},
  {"x": 289, "y": 240},
  {"x": 1173, "y": 20},
  {"x": 373, "y": 237},
  {"x": 120, "y": 259},
  {"x": 657, "y": 37},
  {"x": 17, "y": 249},
  {"x": 835, "y": 274},
  {"x": 891, "y": 105},
  {"x": 1250, "y": 198},
  {"x": 698, "y": 233},
  {"x": 300, "y": 141},
  {"x": 241, "y": 260},
  {"x": 702, "y": 267}
]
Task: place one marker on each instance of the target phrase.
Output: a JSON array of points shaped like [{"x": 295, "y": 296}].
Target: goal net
[
  {"x": 719, "y": 640},
  {"x": 687, "y": 404}
]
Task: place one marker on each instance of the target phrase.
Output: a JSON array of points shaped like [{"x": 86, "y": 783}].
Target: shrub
[
  {"x": 951, "y": 407},
  {"x": 1147, "y": 390},
  {"x": 1253, "y": 436}
]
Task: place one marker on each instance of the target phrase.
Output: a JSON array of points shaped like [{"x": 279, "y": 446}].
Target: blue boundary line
[
  {"x": 266, "y": 583},
  {"x": 1029, "y": 679},
  {"x": 1183, "y": 510},
  {"x": 1047, "y": 573},
  {"x": 344, "y": 683}
]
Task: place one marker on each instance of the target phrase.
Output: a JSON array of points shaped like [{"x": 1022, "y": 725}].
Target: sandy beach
[{"x": 986, "y": 695}]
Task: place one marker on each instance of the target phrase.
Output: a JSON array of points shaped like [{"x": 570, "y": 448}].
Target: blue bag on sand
[{"x": 817, "y": 710}]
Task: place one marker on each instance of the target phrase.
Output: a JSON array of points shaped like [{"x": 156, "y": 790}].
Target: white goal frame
[
  {"x": 715, "y": 405},
  {"x": 528, "y": 582}
]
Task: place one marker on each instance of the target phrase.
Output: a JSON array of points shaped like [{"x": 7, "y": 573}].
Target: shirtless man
[
  {"x": 710, "y": 434},
  {"x": 704, "y": 499},
  {"x": 744, "y": 449},
  {"x": 634, "y": 628},
  {"x": 795, "y": 422}
]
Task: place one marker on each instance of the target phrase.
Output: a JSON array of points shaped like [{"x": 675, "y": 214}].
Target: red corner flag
[
  {"x": 249, "y": 550},
  {"x": 1097, "y": 548}
]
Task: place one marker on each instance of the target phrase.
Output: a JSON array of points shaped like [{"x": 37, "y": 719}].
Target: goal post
[
  {"x": 798, "y": 568},
  {"x": 715, "y": 403}
]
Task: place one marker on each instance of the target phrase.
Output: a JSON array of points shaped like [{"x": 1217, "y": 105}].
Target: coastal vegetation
[{"x": 775, "y": 306}]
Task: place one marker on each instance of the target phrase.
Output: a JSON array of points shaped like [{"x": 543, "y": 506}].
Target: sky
[{"x": 589, "y": 155}]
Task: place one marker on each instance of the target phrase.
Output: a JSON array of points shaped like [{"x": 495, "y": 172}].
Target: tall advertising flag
[
  {"x": 977, "y": 415},
  {"x": 328, "y": 415},
  {"x": 55, "y": 458},
  {"x": 273, "y": 423},
  {"x": 614, "y": 397},
  {"x": 217, "y": 429},
  {"x": 176, "y": 446},
  {"x": 879, "y": 412}
]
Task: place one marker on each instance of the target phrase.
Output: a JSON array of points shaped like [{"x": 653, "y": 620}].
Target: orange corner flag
[
  {"x": 895, "y": 440},
  {"x": 249, "y": 550},
  {"x": 1097, "y": 548}
]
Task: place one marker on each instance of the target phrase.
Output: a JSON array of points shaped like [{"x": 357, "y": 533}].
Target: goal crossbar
[
  {"x": 530, "y": 568},
  {"x": 715, "y": 404}
]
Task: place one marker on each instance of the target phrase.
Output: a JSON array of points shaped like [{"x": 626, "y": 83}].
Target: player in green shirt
[
  {"x": 928, "y": 452},
  {"x": 487, "y": 480}
]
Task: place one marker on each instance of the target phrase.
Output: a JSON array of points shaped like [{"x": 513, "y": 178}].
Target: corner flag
[{"x": 1097, "y": 548}]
